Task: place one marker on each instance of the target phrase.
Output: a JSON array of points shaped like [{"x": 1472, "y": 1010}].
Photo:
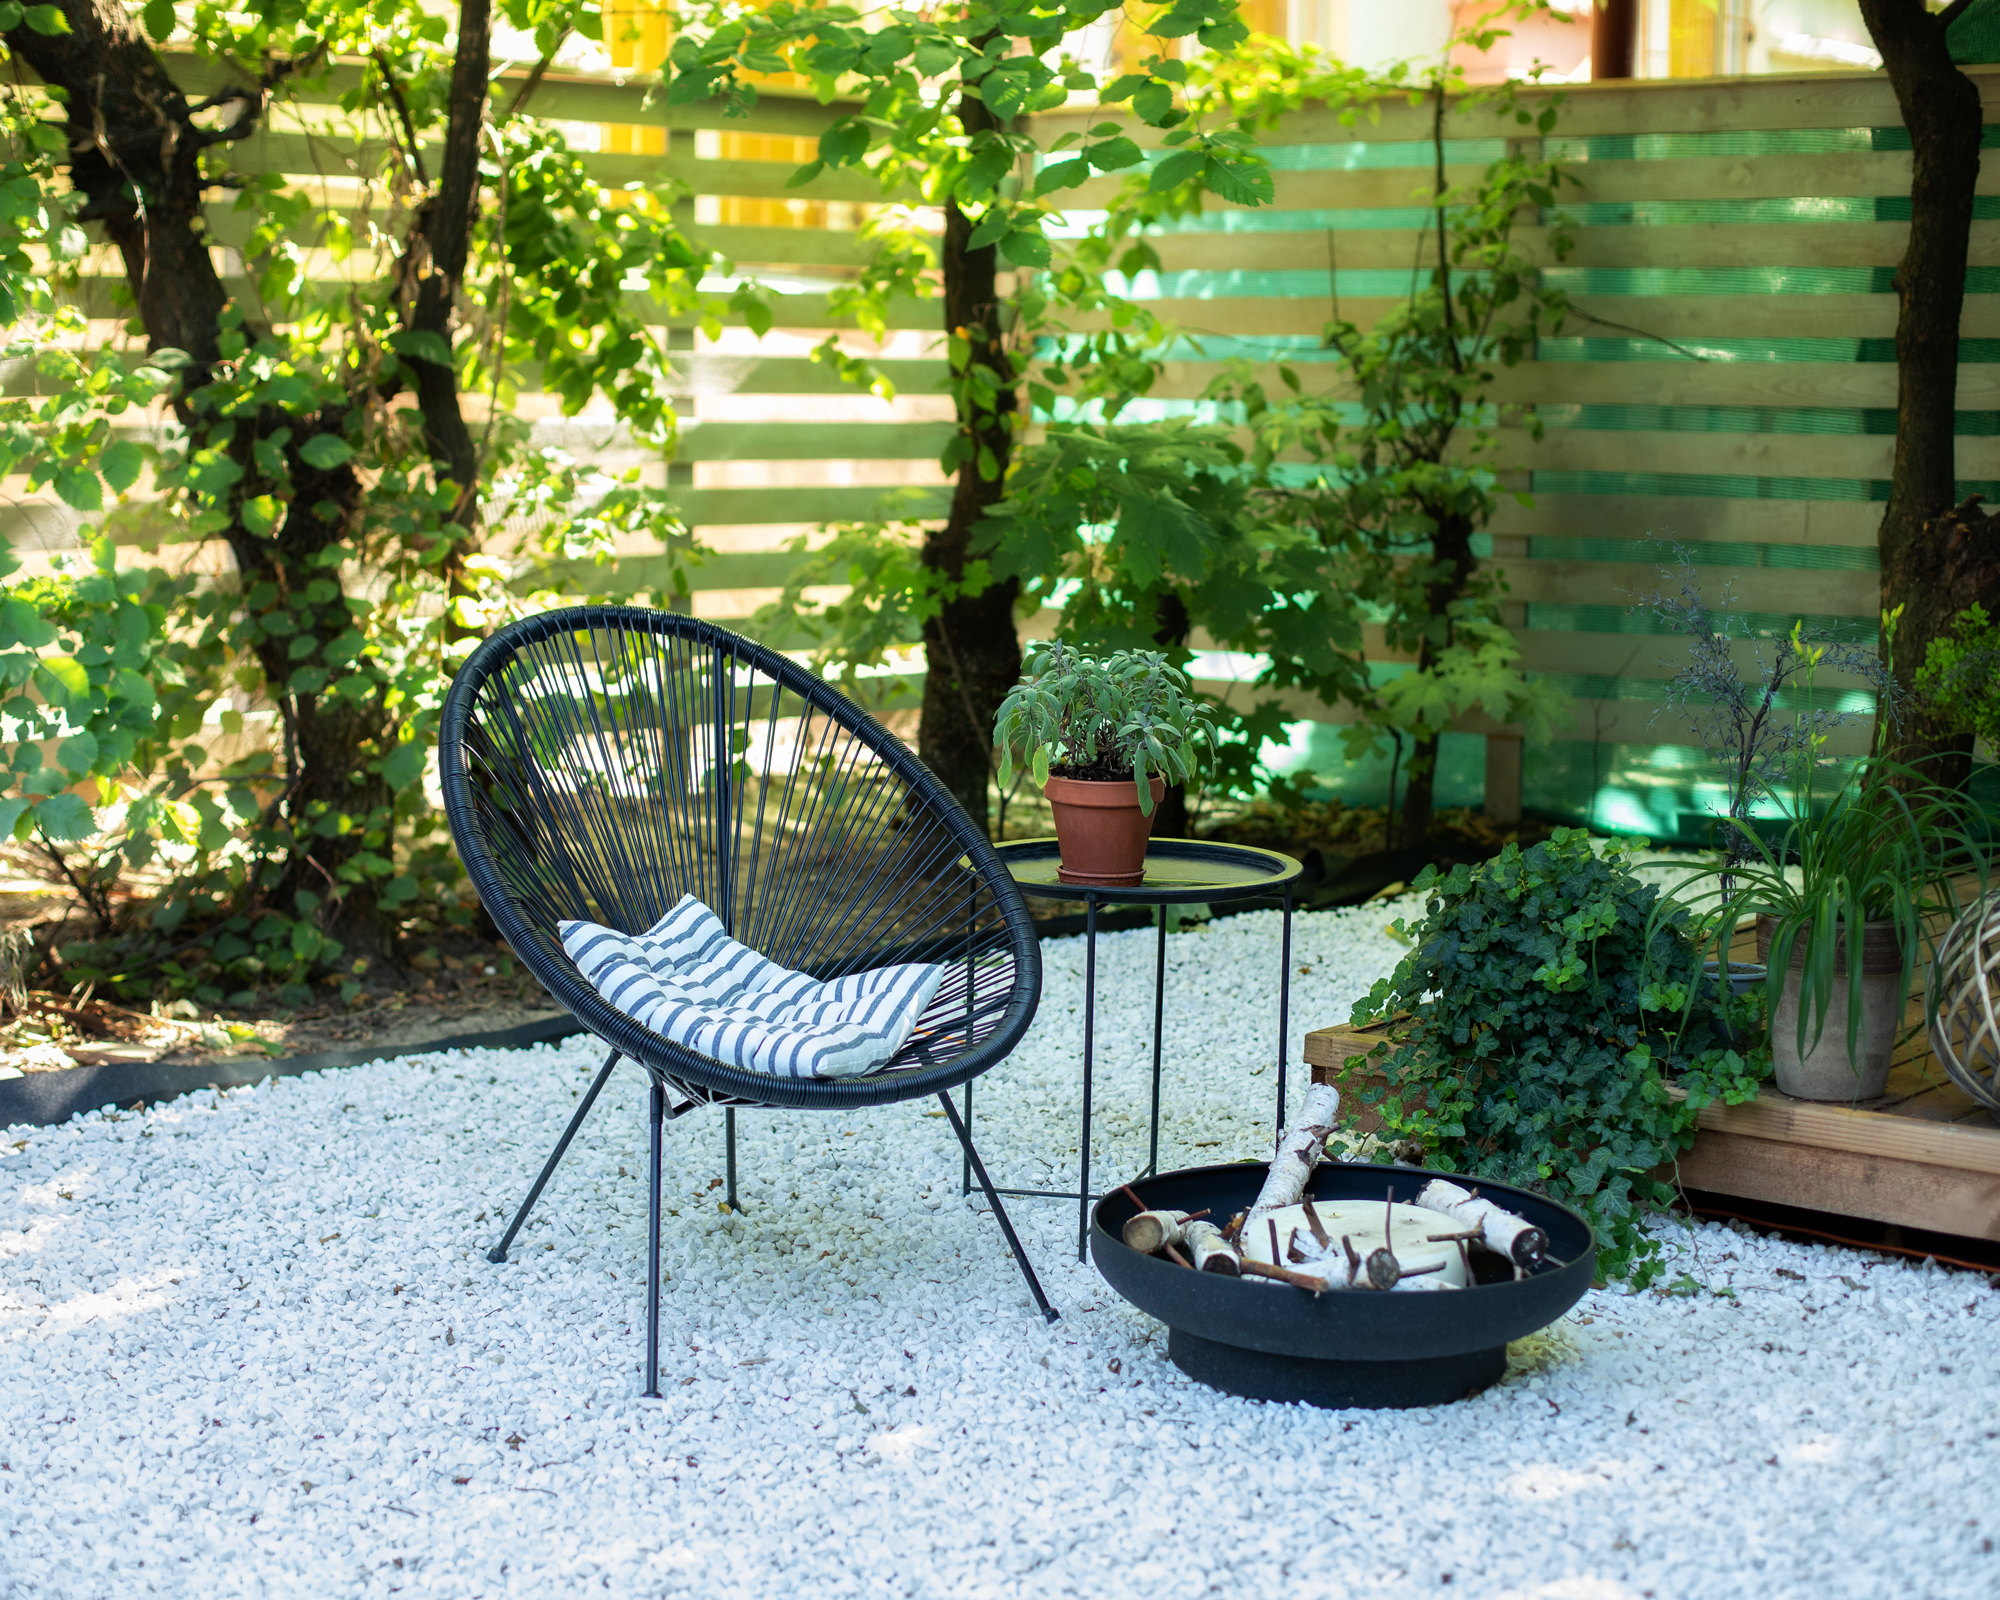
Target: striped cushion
[{"x": 688, "y": 981}]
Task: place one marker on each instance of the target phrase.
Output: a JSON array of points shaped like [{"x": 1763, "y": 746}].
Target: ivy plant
[{"x": 1555, "y": 1033}]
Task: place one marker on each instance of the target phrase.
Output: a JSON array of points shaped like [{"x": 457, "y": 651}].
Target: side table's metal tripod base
[{"x": 1245, "y": 874}]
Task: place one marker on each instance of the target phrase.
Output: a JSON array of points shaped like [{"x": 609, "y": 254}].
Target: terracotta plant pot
[
  {"x": 1826, "y": 1071},
  {"x": 1101, "y": 830}
]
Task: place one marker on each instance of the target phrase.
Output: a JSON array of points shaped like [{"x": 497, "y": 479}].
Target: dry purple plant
[{"x": 1757, "y": 741}]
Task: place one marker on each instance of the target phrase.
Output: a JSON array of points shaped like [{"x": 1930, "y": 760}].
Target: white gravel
[{"x": 249, "y": 1344}]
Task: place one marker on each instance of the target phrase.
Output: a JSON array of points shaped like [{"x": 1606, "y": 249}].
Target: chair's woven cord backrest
[{"x": 620, "y": 762}]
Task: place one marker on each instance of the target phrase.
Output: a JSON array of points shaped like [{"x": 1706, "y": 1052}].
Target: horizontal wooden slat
[
  {"x": 838, "y": 503},
  {"x": 811, "y": 441},
  {"x": 1653, "y": 657},
  {"x": 560, "y": 97},
  {"x": 1763, "y": 177},
  {"x": 1692, "y": 517},
  {"x": 1835, "y": 1127},
  {"x": 1773, "y": 455},
  {"x": 1792, "y": 591},
  {"x": 708, "y": 374},
  {"x": 1678, "y": 105}
]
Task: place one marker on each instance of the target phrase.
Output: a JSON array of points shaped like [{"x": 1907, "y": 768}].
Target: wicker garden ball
[{"x": 1964, "y": 1001}]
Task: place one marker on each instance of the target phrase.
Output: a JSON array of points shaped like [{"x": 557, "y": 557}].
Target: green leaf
[
  {"x": 78, "y": 753},
  {"x": 80, "y": 487},
  {"x": 15, "y": 822},
  {"x": 22, "y": 624},
  {"x": 325, "y": 451},
  {"x": 47, "y": 20},
  {"x": 1243, "y": 183},
  {"x": 65, "y": 817},
  {"x": 63, "y": 680},
  {"x": 1061, "y": 175},
  {"x": 992, "y": 228},
  {"x": 805, "y": 175},
  {"x": 122, "y": 464},
  {"x": 1113, "y": 155},
  {"x": 1175, "y": 170},
  {"x": 1025, "y": 249},
  {"x": 403, "y": 766},
  {"x": 1154, "y": 103},
  {"x": 420, "y": 344},
  {"x": 935, "y": 57},
  {"x": 159, "y": 19}
]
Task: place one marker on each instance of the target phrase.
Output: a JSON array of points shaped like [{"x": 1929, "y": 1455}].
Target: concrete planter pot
[
  {"x": 1825, "y": 1071},
  {"x": 1101, "y": 830}
]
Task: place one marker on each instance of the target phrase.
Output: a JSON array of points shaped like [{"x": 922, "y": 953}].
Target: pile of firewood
[{"x": 1341, "y": 1244}]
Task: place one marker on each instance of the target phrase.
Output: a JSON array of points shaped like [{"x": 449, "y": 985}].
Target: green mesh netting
[{"x": 1668, "y": 791}]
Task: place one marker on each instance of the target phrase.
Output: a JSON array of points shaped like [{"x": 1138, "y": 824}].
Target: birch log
[
  {"x": 1152, "y": 1231},
  {"x": 1209, "y": 1251},
  {"x": 1516, "y": 1238},
  {"x": 1299, "y": 1150}
]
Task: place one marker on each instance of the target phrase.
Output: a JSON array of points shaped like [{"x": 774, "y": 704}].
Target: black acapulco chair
[{"x": 599, "y": 762}]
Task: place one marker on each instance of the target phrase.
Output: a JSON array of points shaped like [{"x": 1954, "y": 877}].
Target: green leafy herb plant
[
  {"x": 1556, "y": 1035},
  {"x": 1126, "y": 716}
]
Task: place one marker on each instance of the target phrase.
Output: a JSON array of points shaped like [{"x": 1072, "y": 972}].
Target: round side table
[{"x": 1178, "y": 871}]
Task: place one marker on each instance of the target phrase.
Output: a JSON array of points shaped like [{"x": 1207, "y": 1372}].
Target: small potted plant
[
  {"x": 1103, "y": 736},
  {"x": 1845, "y": 901}
]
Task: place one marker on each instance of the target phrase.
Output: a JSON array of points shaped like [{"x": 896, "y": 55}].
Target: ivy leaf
[
  {"x": 420, "y": 344},
  {"x": 326, "y": 451},
  {"x": 64, "y": 817}
]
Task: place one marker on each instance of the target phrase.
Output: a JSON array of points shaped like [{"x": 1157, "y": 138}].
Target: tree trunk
[
  {"x": 134, "y": 150},
  {"x": 972, "y": 652},
  {"x": 1451, "y": 545},
  {"x": 1940, "y": 107}
]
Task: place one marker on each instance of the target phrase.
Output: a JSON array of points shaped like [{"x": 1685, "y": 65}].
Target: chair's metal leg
[
  {"x": 1049, "y": 1312},
  {"x": 729, "y": 1153},
  {"x": 656, "y": 1116},
  {"x": 965, "y": 1177},
  {"x": 499, "y": 1251}
]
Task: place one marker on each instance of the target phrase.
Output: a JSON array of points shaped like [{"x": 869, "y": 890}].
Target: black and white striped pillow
[{"x": 688, "y": 981}]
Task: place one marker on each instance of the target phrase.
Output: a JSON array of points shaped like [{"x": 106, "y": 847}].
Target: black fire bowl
[{"x": 1348, "y": 1347}]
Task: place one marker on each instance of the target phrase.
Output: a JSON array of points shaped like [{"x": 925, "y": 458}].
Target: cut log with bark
[
  {"x": 1508, "y": 1235},
  {"x": 1150, "y": 1232},
  {"x": 1365, "y": 1245},
  {"x": 1210, "y": 1252},
  {"x": 1299, "y": 1150}
]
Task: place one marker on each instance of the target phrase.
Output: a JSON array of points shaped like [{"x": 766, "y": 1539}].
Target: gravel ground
[{"x": 249, "y": 1344}]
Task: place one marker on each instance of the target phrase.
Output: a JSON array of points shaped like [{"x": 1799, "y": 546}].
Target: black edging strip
[{"x": 42, "y": 1099}]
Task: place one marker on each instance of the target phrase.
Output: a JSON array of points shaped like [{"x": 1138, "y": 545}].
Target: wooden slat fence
[{"x": 1728, "y": 372}]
